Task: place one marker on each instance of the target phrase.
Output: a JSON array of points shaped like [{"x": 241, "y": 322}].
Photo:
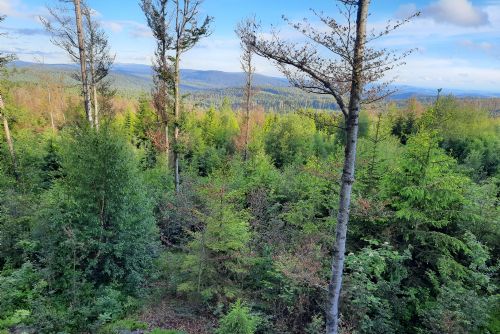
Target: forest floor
[{"x": 178, "y": 314}]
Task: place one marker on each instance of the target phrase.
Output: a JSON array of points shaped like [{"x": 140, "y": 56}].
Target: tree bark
[
  {"x": 177, "y": 119},
  {"x": 96, "y": 108},
  {"x": 347, "y": 180},
  {"x": 167, "y": 147},
  {"x": 83, "y": 61},
  {"x": 52, "y": 123},
  {"x": 8, "y": 137},
  {"x": 248, "y": 102},
  {"x": 94, "y": 91}
]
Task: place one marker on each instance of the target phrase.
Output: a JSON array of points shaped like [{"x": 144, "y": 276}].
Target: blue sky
[{"x": 458, "y": 41}]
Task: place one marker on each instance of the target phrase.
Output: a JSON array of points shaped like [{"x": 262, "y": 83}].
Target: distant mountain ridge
[
  {"x": 193, "y": 80},
  {"x": 138, "y": 77}
]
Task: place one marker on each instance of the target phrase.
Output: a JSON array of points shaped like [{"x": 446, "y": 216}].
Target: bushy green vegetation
[
  {"x": 93, "y": 227},
  {"x": 238, "y": 320}
]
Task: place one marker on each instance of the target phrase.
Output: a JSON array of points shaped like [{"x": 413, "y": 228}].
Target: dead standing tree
[
  {"x": 249, "y": 69},
  {"x": 86, "y": 44},
  {"x": 82, "y": 59},
  {"x": 184, "y": 32},
  {"x": 4, "y": 59},
  {"x": 8, "y": 137},
  {"x": 188, "y": 32},
  {"x": 351, "y": 74},
  {"x": 100, "y": 59},
  {"x": 159, "y": 21}
]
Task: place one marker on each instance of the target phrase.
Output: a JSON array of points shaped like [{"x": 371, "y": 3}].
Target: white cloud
[
  {"x": 222, "y": 54},
  {"x": 406, "y": 10},
  {"x": 484, "y": 46},
  {"x": 448, "y": 73},
  {"x": 7, "y": 7},
  {"x": 456, "y": 12},
  {"x": 113, "y": 26},
  {"x": 134, "y": 28}
]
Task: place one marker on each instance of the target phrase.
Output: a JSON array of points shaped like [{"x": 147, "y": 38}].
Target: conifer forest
[{"x": 317, "y": 200}]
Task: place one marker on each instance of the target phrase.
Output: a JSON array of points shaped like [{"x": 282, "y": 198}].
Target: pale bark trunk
[
  {"x": 94, "y": 92},
  {"x": 96, "y": 108},
  {"x": 248, "y": 105},
  {"x": 167, "y": 147},
  {"x": 83, "y": 62},
  {"x": 8, "y": 137},
  {"x": 347, "y": 180},
  {"x": 52, "y": 123},
  {"x": 177, "y": 119}
]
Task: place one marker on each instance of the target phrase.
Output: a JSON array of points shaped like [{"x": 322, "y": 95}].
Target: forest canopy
[{"x": 160, "y": 215}]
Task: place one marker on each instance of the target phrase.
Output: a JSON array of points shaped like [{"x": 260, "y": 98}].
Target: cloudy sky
[{"x": 458, "y": 41}]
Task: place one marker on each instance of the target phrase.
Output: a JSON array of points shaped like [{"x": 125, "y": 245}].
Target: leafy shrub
[
  {"x": 166, "y": 331},
  {"x": 124, "y": 324},
  {"x": 239, "y": 320},
  {"x": 316, "y": 326},
  {"x": 289, "y": 139},
  {"x": 19, "y": 290}
]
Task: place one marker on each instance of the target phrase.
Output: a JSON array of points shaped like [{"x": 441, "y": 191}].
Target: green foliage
[
  {"x": 289, "y": 138},
  {"x": 89, "y": 221},
  {"x": 17, "y": 318},
  {"x": 404, "y": 127},
  {"x": 363, "y": 128},
  {"x": 374, "y": 278},
  {"x": 225, "y": 236},
  {"x": 239, "y": 320},
  {"x": 212, "y": 137},
  {"x": 123, "y": 324},
  {"x": 143, "y": 123},
  {"x": 456, "y": 310},
  {"x": 166, "y": 331},
  {"x": 425, "y": 187},
  {"x": 79, "y": 229},
  {"x": 19, "y": 290},
  {"x": 316, "y": 326}
]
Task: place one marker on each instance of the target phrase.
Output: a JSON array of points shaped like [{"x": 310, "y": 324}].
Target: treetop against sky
[{"x": 457, "y": 40}]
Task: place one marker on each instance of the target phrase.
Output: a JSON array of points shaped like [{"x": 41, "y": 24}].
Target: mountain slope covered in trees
[{"x": 243, "y": 207}]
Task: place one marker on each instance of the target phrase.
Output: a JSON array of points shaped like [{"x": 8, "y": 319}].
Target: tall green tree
[{"x": 96, "y": 230}]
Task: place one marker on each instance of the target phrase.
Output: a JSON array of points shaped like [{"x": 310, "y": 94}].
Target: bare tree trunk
[
  {"x": 167, "y": 147},
  {"x": 373, "y": 161},
  {"x": 94, "y": 91},
  {"x": 248, "y": 102},
  {"x": 96, "y": 108},
  {"x": 50, "y": 110},
  {"x": 347, "y": 180},
  {"x": 8, "y": 137},
  {"x": 177, "y": 119},
  {"x": 83, "y": 62}
]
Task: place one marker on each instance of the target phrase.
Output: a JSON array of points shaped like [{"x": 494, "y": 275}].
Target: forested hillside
[{"x": 158, "y": 214}]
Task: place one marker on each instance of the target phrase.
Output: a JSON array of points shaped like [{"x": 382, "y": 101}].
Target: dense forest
[{"x": 160, "y": 215}]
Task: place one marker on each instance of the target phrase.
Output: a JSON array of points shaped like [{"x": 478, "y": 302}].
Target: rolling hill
[{"x": 210, "y": 87}]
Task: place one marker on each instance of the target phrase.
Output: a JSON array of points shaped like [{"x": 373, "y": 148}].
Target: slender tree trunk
[
  {"x": 347, "y": 180},
  {"x": 167, "y": 147},
  {"x": 248, "y": 105},
  {"x": 373, "y": 160},
  {"x": 177, "y": 120},
  {"x": 96, "y": 107},
  {"x": 83, "y": 62},
  {"x": 94, "y": 92},
  {"x": 62, "y": 103},
  {"x": 50, "y": 110},
  {"x": 8, "y": 137}
]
